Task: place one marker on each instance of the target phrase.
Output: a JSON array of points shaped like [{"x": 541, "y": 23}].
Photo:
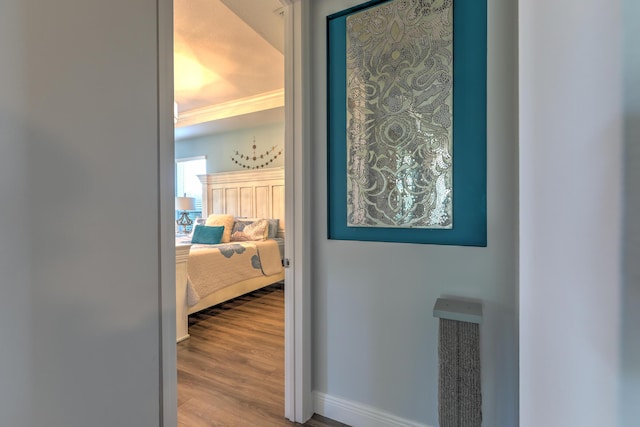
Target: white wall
[
  {"x": 79, "y": 320},
  {"x": 374, "y": 337},
  {"x": 571, "y": 133},
  {"x": 220, "y": 147}
]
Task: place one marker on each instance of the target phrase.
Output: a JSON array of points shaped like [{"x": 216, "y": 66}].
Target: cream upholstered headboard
[{"x": 251, "y": 194}]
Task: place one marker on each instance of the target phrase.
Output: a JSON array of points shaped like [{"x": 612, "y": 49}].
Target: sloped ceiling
[{"x": 228, "y": 64}]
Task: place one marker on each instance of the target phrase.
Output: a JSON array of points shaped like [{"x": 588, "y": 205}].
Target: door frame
[{"x": 298, "y": 395}]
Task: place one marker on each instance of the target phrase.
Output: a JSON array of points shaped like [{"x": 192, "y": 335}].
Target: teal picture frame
[{"x": 469, "y": 130}]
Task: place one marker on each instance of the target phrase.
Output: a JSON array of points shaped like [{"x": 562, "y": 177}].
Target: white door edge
[
  {"x": 168, "y": 379},
  {"x": 298, "y": 398}
]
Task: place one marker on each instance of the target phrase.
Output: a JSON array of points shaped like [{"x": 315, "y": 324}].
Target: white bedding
[{"x": 214, "y": 267}]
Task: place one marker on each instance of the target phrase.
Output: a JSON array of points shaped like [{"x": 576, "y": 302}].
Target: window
[{"x": 187, "y": 182}]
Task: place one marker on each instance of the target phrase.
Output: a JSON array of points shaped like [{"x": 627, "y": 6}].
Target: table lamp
[{"x": 185, "y": 204}]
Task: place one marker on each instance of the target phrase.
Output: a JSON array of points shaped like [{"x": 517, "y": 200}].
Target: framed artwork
[{"x": 407, "y": 122}]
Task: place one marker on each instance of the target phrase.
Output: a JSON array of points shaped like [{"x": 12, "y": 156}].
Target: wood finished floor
[{"x": 231, "y": 370}]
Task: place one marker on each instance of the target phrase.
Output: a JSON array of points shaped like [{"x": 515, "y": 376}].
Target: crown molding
[{"x": 250, "y": 104}]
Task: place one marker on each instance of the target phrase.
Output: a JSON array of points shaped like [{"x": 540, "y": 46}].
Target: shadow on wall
[
  {"x": 630, "y": 337},
  {"x": 630, "y": 369}
]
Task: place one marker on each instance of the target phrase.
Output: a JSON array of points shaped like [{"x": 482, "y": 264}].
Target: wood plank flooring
[{"x": 231, "y": 370}]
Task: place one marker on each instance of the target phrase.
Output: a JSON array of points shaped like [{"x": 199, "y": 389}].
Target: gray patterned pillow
[
  {"x": 272, "y": 233},
  {"x": 256, "y": 230}
]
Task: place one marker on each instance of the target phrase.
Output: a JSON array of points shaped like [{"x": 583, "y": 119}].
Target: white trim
[
  {"x": 168, "y": 375},
  {"x": 265, "y": 174},
  {"x": 357, "y": 414},
  {"x": 289, "y": 276},
  {"x": 188, "y": 159},
  {"x": 182, "y": 318},
  {"x": 298, "y": 397},
  {"x": 238, "y": 107}
]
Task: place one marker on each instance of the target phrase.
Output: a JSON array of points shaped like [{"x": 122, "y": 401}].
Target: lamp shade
[{"x": 185, "y": 203}]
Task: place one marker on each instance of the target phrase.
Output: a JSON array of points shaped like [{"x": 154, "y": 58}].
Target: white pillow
[{"x": 226, "y": 221}]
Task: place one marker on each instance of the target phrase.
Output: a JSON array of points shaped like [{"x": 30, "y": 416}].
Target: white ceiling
[{"x": 228, "y": 64}]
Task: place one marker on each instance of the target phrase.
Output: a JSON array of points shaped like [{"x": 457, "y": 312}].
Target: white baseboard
[{"x": 357, "y": 414}]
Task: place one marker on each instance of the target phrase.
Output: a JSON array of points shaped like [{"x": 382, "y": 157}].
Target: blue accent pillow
[{"x": 207, "y": 234}]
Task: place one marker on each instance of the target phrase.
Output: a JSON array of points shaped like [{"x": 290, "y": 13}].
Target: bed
[{"x": 209, "y": 274}]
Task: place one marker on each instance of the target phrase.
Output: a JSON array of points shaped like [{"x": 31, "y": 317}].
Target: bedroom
[{"x": 229, "y": 125}]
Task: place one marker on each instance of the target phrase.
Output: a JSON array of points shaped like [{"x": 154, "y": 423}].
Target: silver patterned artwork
[{"x": 399, "y": 115}]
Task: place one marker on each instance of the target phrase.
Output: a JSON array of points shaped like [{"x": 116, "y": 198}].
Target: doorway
[{"x": 297, "y": 367}]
